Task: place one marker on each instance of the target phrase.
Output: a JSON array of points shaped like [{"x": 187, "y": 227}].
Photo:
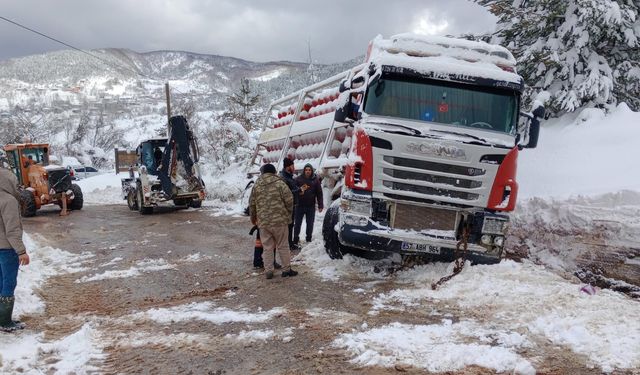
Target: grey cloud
[{"x": 265, "y": 30}]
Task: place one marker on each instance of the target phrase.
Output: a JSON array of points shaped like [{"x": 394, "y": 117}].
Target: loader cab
[
  {"x": 21, "y": 157},
  {"x": 150, "y": 154}
]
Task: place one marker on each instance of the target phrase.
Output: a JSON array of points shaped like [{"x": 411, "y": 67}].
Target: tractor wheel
[
  {"x": 78, "y": 199},
  {"x": 132, "y": 201},
  {"x": 196, "y": 203},
  {"x": 27, "y": 204},
  {"x": 141, "y": 207}
]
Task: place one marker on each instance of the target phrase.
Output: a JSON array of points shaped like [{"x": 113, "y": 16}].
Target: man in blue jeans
[
  {"x": 310, "y": 192},
  {"x": 13, "y": 253}
]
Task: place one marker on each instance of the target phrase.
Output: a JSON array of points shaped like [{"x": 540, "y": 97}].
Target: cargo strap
[{"x": 461, "y": 258}]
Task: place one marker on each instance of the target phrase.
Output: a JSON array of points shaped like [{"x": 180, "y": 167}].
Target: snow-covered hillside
[{"x": 118, "y": 98}]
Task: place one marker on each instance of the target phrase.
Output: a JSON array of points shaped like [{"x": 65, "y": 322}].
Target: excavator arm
[{"x": 177, "y": 168}]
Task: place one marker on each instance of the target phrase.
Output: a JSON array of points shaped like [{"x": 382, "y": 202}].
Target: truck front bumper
[{"x": 376, "y": 238}]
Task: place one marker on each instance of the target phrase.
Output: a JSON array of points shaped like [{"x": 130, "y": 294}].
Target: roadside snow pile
[
  {"x": 27, "y": 352},
  {"x": 437, "y": 348},
  {"x": 103, "y": 189},
  {"x": 46, "y": 261},
  {"x": 205, "y": 311},
  {"x": 313, "y": 255},
  {"x": 566, "y": 234},
  {"x": 79, "y": 353},
  {"x": 226, "y": 186},
  {"x": 534, "y": 302},
  {"x": 584, "y": 153}
]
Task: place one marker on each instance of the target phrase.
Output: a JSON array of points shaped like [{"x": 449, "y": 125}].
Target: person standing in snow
[
  {"x": 270, "y": 207},
  {"x": 13, "y": 253},
  {"x": 310, "y": 193},
  {"x": 287, "y": 175}
]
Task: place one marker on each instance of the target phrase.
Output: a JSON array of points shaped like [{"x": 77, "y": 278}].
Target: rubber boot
[{"x": 6, "y": 310}]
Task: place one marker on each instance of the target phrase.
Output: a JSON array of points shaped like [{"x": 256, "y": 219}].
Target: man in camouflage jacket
[{"x": 270, "y": 207}]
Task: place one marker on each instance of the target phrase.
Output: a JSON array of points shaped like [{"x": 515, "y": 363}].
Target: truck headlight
[
  {"x": 486, "y": 239},
  {"x": 356, "y": 204},
  {"x": 357, "y": 207},
  {"x": 494, "y": 225},
  {"x": 355, "y": 220},
  {"x": 498, "y": 241}
]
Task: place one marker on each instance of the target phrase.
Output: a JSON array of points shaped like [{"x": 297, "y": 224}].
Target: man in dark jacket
[
  {"x": 270, "y": 207},
  {"x": 13, "y": 253},
  {"x": 287, "y": 175},
  {"x": 310, "y": 193}
]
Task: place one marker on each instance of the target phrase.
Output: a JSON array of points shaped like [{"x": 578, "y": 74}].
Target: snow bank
[
  {"x": 28, "y": 351},
  {"x": 46, "y": 261},
  {"x": 604, "y": 327},
  {"x": 103, "y": 189},
  {"x": 79, "y": 353},
  {"x": 583, "y": 154}
]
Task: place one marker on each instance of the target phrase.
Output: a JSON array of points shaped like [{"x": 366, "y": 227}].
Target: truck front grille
[
  {"x": 433, "y": 166},
  {"x": 423, "y": 218},
  {"x": 435, "y": 179},
  {"x": 431, "y": 191}
]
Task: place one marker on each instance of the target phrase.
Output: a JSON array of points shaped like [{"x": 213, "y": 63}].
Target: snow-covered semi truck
[
  {"x": 419, "y": 146},
  {"x": 168, "y": 171}
]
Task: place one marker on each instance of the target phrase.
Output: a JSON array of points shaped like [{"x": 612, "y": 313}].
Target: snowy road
[{"x": 120, "y": 295}]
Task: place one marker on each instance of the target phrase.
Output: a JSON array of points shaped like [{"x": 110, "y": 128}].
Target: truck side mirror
[
  {"x": 357, "y": 82},
  {"x": 343, "y": 86},
  {"x": 342, "y": 113},
  {"x": 534, "y": 126}
]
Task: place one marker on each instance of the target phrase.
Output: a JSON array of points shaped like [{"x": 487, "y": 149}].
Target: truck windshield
[{"x": 444, "y": 103}]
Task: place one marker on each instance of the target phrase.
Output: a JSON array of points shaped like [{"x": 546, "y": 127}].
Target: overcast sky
[{"x": 258, "y": 30}]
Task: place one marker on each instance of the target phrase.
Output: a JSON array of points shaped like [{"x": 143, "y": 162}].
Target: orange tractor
[{"x": 41, "y": 183}]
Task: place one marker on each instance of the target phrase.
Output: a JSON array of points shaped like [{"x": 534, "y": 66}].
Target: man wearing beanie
[
  {"x": 310, "y": 193},
  {"x": 287, "y": 175},
  {"x": 271, "y": 207}
]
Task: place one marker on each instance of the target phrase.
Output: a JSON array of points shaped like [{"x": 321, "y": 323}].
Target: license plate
[{"x": 420, "y": 247}]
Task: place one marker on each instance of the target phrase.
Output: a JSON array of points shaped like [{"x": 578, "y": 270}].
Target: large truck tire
[
  {"x": 78, "y": 198},
  {"x": 196, "y": 203},
  {"x": 331, "y": 243},
  {"x": 141, "y": 207},
  {"x": 27, "y": 204},
  {"x": 244, "y": 200}
]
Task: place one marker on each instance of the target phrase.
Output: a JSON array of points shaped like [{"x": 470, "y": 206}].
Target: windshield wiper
[
  {"x": 461, "y": 134},
  {"x": 390, "y": 124}
]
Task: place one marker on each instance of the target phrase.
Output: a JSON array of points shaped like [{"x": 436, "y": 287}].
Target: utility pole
[
  {"x": 166, "y": 89},
  {"x": 311, "y": 68}
]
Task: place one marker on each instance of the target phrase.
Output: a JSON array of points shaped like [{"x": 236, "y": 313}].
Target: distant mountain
[
  {"x": 85, "y": 106},
  {"x": 75, "y": 78}
]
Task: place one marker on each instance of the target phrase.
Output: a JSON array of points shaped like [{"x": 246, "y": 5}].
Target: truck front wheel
[{"x": 331, "y": 243}]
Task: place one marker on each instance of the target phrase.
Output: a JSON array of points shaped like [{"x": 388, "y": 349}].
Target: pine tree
[
  {"x": 585, "y": 53},
  {"x": 242, "y": 104}
]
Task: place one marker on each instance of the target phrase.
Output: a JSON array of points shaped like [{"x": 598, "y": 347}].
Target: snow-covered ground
[
  {"x": 504, "y": 310},
  {"x": 496, "y": 317},
  {"x": 585, "y": 153}
]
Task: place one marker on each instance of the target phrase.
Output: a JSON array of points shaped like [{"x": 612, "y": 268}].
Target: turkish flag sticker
[{"x": 443, "y": 107}]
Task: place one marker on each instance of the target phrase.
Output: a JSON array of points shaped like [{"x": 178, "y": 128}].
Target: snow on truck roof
[{"x": 429, "y": 54}]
